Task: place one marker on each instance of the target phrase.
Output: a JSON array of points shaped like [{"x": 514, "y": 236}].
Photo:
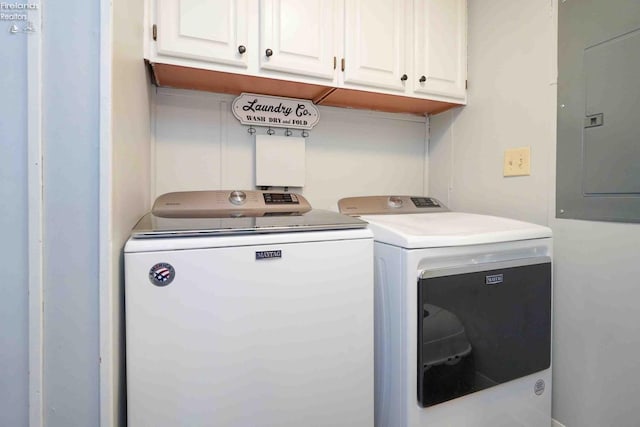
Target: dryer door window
[{"x": 482, "y": 326}]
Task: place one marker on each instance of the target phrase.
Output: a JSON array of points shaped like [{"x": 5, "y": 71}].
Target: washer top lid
[
  {"x": 215, "y": 213},
  {"x": 444, "y": 229},
  {"x": 151, "y": 226}
]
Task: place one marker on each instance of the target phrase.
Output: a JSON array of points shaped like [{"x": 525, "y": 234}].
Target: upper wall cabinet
[
  {"x": 299, "y": 37},
  {"x": 206, "y": 30},
  {"x": 362, "y": 53},
  {"x": 440, "y": 47},
  {"x": 375, "y": 43}
]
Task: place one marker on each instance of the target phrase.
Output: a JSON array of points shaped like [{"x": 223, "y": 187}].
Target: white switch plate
[{"x": 517, "y": 161}]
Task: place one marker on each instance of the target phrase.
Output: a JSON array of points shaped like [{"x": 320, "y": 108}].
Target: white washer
[
  {"x": 462, "y": 315},
  {"x": 248, "y": 309}
]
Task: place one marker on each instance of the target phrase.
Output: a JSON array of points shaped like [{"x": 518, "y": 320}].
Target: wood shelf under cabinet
[{"x": 180, "y": 77}]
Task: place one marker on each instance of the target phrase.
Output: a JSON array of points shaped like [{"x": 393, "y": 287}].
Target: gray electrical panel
[{"x": 598, "y": 158}]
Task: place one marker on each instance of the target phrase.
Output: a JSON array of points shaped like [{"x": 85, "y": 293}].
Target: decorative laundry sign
[{"x": 274, "y": 111}]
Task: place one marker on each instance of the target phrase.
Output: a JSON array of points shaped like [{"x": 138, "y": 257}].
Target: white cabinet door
[
  {"x": 206, "y": 30},
  {"x": 374, "y": 51},
  {"x": 298, "y": 37},
  {"x": 440, "y": 47}
]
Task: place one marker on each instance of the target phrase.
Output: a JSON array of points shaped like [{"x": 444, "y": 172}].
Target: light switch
[{"x": 517, "y": 161}]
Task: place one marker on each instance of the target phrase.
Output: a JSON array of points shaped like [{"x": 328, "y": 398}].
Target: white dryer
[
  {"x": 462, "y": 315},
  {"x": 248, "y": 309}
]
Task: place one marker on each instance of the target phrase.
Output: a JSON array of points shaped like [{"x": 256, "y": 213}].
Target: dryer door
[{"x": 481, "y": 326}]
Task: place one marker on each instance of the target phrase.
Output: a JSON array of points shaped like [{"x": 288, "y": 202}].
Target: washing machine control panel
[
  {"x": 425, "y": 202},
  {"x": 281, "y": 199},
  {"x": 238, "y": 197},
  {"x": 395, "y": 202},
  {"x": 392, "y": 204},
  {"x": 236, "y": 203}
]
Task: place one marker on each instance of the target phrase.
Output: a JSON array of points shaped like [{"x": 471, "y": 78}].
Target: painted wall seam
[
  {"x": 425, "y": 174},
  {"x": 35, "y": 223},
  {"x": 153, "y": 145},
  {"x": 452, "y": 165},
  {"x": 107, "y": 380},
  {"x": 224, "y": 117}
]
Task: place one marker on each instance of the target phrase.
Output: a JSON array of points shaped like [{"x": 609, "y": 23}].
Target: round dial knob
[
  {"x": 394, "y": 202},
  {"x": 237, "y": 197}
]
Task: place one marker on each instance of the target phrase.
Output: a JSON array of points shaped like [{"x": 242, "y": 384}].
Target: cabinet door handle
[
  {"x": 422, "y": 79},
  {"x": 268, "y": 52},
  {"x": 242, "y": 49},
  {"x": 404, "y": 77}
]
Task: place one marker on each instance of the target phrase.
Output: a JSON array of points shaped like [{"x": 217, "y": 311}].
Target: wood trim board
[{"x": 175, "y": 76}]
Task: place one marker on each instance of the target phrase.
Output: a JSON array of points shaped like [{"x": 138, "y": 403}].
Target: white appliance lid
[{"x": 444, "y": 229}]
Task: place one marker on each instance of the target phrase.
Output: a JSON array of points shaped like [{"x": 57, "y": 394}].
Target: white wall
[
  {"x": 71, "y": 138},
  {"x": 14, "y": 351},
  {"x": 511, "y": 95},
  {"x": 125, "y": 190},
  {"x": 512, "y": 103},
  {"x": 67, "y": 209},
  {"x": 49, "y": 128},
  {"x": 200, "y": 145},
  {"x": 597, "y": 368}
]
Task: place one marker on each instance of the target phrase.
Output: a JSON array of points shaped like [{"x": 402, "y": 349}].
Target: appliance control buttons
[
  {"x": 394, "y": 202},
  {"x": 280, "y": 198},
  {"x": 238, "y": 197},
  {"x": 425, "y": 202}
]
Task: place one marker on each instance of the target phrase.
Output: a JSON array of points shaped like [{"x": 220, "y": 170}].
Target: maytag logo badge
[
  {"x": 494, "y": 279},
  {"x": 262, "y": 255}
]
